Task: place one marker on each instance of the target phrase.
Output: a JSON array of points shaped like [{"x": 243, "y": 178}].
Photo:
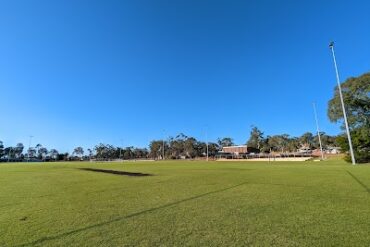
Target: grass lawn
[{"x": 185, "y": 203}]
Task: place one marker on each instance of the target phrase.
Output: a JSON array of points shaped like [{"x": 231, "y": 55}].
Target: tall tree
[
  {"x": 18, "y": 150},
  {"x": 53, "y": 154},
  {"x": 9, "y": 153},
  {"x": 90, "y": 153},
  {"x": 213, "y": 149},
  {"x": 156, "y": 149},
  {"x": 256, "y": 138},
  {"x": 307, "y": 139},
  {"x": 356, "y": 96},
  {"x": 37, "y": 147},
  {"x": 79, "y": 151},
  {"x": 225, "y": 142},
  {"x": 31, "y": 152},
  {"x": 42, "y": 153}
]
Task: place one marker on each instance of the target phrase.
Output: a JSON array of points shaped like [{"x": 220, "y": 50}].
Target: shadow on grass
[
  {"x": 131, "y": 174},
  {"x": 54, "y": 237},
  {"x": 359, "y": 182}
]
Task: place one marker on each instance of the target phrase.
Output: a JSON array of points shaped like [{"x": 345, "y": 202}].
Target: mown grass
[{"x": 185, "y": 204}]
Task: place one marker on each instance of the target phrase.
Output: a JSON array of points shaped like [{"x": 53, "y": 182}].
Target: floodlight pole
[
  {"x": 318, "y": 130},
  {"x": 331, "y": 46}
]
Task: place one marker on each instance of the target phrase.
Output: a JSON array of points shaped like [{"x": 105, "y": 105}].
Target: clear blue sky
[{"x": 83, "y": 72}]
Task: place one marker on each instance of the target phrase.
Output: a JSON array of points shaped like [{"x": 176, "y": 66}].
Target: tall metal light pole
[
  {"x": 331, "y": 46},
  {"x": 318, "y": 130},
  {"x": 29, "y": 146}
]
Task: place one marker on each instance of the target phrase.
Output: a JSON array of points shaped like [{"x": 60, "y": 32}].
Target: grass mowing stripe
[
  {"x": 41, "y": 240},
  {"x": 359, "y": 182},
  {"x": 284, "y": 204}
]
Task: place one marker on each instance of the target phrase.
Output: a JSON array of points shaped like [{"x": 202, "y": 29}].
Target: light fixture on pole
[
  {"x": 331, "y": 46},
  {"x": 318, "y": 130}
]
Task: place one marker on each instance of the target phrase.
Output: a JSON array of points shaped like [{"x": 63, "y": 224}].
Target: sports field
[{"x": 185, "y": 203}]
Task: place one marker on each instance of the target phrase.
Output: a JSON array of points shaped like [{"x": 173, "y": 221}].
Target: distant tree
[
  {"x": 53, "y": 153},
  {"x": 292, "y": 143},
  {"x": 42, "y": 153},
  {"x": 90, "y": 153},
  {"x": 37, "y": 147},
  {"x": 225, "y": 142},
  {"x": 111, "y": 152},
  {"x": 156, "y": 148},
  {"x": 101, "y": 151},
  {"x": 256, "y": 139},
  {"x": 18, "y": 150},
  {"x": 176, "y": 146},
  {"x": 31, "y": 152},
  {"x": 9, "y": 153},
  {"x": 140, "y": 153},
  {"x": 79, "y": 151},
  {"x": 213, "y": 149},
  {"x": 282, "y": 143},
  {"x": 356, "y": 97},
  {"x": 326, "y": 140},
  {"x": 128, "y": 153},
  {"x": 307, "y": 139},
  {"x": 105, "y": 152},
  {"x": 63, "y": 156}
]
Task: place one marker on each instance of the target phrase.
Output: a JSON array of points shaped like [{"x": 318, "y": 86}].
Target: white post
[
  {"x": 331, "y": 46},
  {"x": 318, "y": 130}
]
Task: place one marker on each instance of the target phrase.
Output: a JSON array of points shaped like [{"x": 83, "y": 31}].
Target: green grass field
[{"x": 185, "y": 203}]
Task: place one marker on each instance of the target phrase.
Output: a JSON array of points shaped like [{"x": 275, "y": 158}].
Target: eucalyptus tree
[
  {"x": 225, "y": 142},
  {"x": 90, "y": 153},
  {"x": 31, "y": 152},
  {"x": 79, "y": 151},
  {"x": 307, "y": 139},
  {"x": 37, "y": 147},
  {"x": 9, "y": 153},
  {"x": 256, "y": 138},
  {"x": 53, "y": 153},
  {"x": 356, "y": 97},
  {"x": 18, "y": 150},
  {"x": 42, "y": 153},
  {"x": 156, "y": 147}
]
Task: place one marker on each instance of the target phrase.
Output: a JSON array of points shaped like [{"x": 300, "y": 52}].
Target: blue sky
[{"x": 83, "y": 72}]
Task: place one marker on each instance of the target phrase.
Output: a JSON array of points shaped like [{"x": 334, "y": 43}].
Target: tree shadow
[
  {"x": 131, "y": 174},
  {"x": 359, "y": 182},
  {"x": 58, "y": 236}
]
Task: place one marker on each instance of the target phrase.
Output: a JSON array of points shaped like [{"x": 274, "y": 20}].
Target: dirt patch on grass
[{"x": 123, "y": 173}]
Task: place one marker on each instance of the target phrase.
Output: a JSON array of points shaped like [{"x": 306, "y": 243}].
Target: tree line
[
  {"x": 179, "y": 147},
  {"x": 356, "y": 95}
]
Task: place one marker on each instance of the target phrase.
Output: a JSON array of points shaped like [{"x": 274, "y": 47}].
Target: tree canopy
[{"x": 356, "y": 97}]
